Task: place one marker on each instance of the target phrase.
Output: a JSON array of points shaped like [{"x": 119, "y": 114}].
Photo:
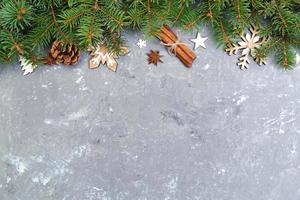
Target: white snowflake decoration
[
  {"x": 27, "y": 66},
  {"x": 141, "y": 43},
  {"x": 248, "y": 45}
]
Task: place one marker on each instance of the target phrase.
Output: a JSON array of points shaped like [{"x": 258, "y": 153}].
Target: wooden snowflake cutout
[
  {"x": 248, "y": 44},
  {"x": 101, "y": 55},
  {"x": 154, "y": 57},
  {"x": 26, "y": 65}
]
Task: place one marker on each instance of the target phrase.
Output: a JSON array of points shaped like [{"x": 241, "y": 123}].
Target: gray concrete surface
[{"x": 212, "y": 132}]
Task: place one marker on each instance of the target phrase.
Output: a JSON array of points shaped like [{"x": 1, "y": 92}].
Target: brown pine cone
[{"x": 60, "y": 54}]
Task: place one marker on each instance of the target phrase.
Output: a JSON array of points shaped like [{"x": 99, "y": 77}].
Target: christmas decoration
[
  {"x": 199, "y": 41},
  {"x": 101, "y": 55},
  {"x": 26, "y": 65},
  {"x": 86, "y": 23},
  {"x": 154, "y": 57},
  {"x": 297, "y": 58},
  {"x": 173, "y": 43},
  {"x": 248, "y": 45},
  {"x": 63, "y": 54},
  {"x": 141, "y": 43}
]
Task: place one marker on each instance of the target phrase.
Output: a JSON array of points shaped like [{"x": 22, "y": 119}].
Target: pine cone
[{"x": 60, "y": 54}]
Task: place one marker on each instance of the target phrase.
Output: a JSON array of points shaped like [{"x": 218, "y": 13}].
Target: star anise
[{"x": 154, "y": 57}]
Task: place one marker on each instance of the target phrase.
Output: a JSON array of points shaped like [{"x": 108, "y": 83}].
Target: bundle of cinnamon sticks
[{"x": 182, "y": 51}]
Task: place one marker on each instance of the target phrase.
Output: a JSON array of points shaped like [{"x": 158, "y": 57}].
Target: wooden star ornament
[
  {"x": 199, "y": 41},
  {"x": 154, "y": 57}
]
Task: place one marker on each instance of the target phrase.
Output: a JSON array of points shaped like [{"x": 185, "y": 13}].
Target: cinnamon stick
[
  {"x": 186, "y": 55},
  {"x": 186, "y": 49},
  {"x": 179, "y": 53}
]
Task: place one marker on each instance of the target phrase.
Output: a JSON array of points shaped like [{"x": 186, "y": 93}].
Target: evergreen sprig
[{"x": 27, "y": 27}]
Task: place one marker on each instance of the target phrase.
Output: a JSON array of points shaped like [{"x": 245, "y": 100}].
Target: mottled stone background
[{"x": 212, "y": 132}]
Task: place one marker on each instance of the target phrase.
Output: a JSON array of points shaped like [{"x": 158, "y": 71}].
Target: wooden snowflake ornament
[
  {"x": 250, "y": 41},
  {"x": 101, "y": 55}
]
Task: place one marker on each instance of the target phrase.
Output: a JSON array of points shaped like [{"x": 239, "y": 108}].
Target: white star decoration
[
  {"x": 141, "y": 43},
  {"x": 199, "y": 41}
]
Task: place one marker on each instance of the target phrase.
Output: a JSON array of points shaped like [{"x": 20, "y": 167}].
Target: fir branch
[
  {"x": 10, "y": 45},
  {"x": 285, "y": 57},
  {"x": 226, "y": 38},
  {"x": 210, "y": 13},
  {"x": 194, "y": 23},
  {"x": 179, "y": 14},
  {"x": 71, "y": 17},
  {"x": 90, "y": 22},
  {"x": 87, "y": 32},
  {"x": 16, "y": 15},
  {"x": 58, "y": 28},
  {"x": 150, "y": 18},
  {"x": 40, "y": 37}
]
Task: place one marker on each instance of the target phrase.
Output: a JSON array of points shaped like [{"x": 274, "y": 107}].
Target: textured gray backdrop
[{"x": 212, "y": 132}]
